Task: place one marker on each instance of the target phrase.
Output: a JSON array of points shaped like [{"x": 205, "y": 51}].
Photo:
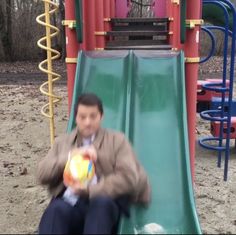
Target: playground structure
[
  {"x": 97, "y": 33},
  {"x": 146, "y": 71},
  {"x": 221, "y": 110}
]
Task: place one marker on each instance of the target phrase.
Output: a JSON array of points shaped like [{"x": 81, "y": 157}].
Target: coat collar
[
  {"x": 99, "y": 138},
  {"x": 75, "y": 136}
]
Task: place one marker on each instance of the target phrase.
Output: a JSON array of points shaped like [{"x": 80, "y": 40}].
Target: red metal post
[
  {"x": 176, "y": 25},
  {"x": 99, "y": 26},
  {"x": 107, "y": 9},
  {"x": 191, "y": 72},
  {"x": 169, "y": 12},
  {"x": 89, "y": 24},
  {"x": 72, "y": 48},
  {"x": 107, "y": 14},
  {"x": 113, "y": 8}
]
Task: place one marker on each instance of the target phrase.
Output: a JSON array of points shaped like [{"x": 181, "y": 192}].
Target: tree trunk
[
  {"x": 9, "y": 27},
  {"x": 62, "y": 28},
  {"x": 5, "y": 29}
]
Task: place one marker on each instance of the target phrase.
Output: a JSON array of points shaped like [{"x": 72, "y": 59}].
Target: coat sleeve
[
  {"x": 124, "y": 180},
  {"x": 50, "y": 168}
]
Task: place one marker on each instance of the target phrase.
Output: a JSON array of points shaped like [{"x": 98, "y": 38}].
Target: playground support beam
[
  {"x": 107, "y": 14},
  {"x": 169, "y": 14},
  {"x": 191, "y": 70},
  {"x": 173, "y": 9},
  {"x": 89, "y": 24},
  {"x": 113, "y": 7},
  {"x": 176, "y": 24},
  {"x": 99, "y": 27},
  {"x": 72, "y": 48}
]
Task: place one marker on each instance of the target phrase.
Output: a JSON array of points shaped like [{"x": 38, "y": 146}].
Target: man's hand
[
  {"x": 78, "y": 189},
  {"x": 86, "y": 150}
]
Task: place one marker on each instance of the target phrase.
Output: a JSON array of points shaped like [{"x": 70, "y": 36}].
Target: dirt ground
[{"x": 24, "y": 140}]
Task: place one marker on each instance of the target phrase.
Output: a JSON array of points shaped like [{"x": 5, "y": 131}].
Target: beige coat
[{"x": 117, "y": 167}]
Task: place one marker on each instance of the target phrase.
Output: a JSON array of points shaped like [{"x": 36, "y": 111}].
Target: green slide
[
  {"x": 144, "y": 96},
  {"x": 215, "y": 15}
]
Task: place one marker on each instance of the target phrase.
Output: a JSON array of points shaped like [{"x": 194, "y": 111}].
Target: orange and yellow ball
[{"x": 79, "y": 169}]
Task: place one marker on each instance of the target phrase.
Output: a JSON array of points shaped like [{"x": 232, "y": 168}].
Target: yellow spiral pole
[{"x": 45, "y": 66}]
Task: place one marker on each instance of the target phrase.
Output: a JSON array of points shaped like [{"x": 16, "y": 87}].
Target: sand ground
[{"x": 24, "y": 140}]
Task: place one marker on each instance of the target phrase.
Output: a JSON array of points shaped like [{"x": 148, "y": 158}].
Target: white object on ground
[{"x": 151, "y": 228}]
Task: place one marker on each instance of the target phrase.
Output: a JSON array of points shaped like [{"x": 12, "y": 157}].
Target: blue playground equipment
[{"x": 222, "y": 114}]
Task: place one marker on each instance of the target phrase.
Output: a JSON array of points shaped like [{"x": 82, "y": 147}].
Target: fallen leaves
[
  {"x": 29, "y": 67},
  {"x": 14, "y": 168}
]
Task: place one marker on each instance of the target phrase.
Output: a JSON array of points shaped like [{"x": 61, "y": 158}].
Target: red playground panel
[
  {"x": 215, "y": 129},
  {"x": 203, "y": 95},
  {"x": 206, "y": 95}
]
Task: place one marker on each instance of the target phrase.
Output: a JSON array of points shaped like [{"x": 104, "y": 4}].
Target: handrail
[
  {"x": 213, "y": 45},
  {"x": 219, "y": 28},
  {"x": 213, "y": 14},
  {"x": 208, "y": 29}
]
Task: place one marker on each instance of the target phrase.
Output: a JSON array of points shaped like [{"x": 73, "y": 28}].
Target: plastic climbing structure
[
  {"x": 138, "y": 68},
  {"x": 108, "y": 28},
  {"x": 218, "y": 93},
  {"x": 146, "y": 72}
]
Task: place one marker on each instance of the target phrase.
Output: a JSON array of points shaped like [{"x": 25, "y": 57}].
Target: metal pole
[
  {"x": 72, "y": 48},
  {"x": 191, "y": 71},
  {"x": 49, "y": 67},
  {"x": 46, "y": 65}
]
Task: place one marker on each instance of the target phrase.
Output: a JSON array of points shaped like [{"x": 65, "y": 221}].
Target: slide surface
[{"x": 144, "y": 96}]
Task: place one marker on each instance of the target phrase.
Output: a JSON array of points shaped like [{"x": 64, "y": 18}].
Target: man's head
[{"x": 89, "y": 114}]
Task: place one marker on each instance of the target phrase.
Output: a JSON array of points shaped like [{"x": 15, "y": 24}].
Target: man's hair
[{"x": 89, "y": 99}]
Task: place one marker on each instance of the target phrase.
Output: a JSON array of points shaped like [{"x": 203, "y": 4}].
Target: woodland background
[{"x": 19, "y": 31}]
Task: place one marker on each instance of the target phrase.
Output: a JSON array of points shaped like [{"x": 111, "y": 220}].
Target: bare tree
[
  {"x": 19, "y": 31},
  {"x": 141, "y": 8},
  {"x": 61, "y": 17},
  {"x": 6, "y": 29},
  {"x": 59, "y": 42}
]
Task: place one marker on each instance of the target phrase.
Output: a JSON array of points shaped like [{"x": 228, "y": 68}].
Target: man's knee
[
  {"x": 56, "y": 218},
  {"x": 103, "y": 201},
  {"x": 103, "y": 214},
  {"x": 104, "y": 207},
  {"x": 59, "y": 207}
]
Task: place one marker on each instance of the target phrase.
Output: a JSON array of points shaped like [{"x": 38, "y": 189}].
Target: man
[{"x": 120, "y": 179}]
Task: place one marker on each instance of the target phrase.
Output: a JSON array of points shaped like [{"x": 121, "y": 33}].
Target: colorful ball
[{"x": 79, "y": 169}]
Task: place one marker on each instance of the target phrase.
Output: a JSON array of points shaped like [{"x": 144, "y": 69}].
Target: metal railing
[{"x": 221, "y": 115}]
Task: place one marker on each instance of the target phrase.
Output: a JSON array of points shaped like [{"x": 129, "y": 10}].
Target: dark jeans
[{"x": 99, "y": 215}]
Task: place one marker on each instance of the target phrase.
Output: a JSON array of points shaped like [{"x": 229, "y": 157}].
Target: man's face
[{"x": 88, "y": 120}]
